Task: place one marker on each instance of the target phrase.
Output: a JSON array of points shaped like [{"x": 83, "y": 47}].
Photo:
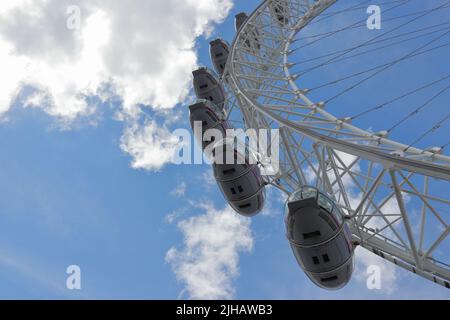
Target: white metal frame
[{"x": 370, "y": 176}]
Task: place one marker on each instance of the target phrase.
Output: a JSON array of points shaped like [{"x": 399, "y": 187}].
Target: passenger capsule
[
  {"x": 240, "y": 181},
  {"x": 239, "y": 20},
  {"x": 219, "y": 50},
  {"x": 209, "y": 116},
  {"x": 319, "y": 238},
  {"x": 206, "y": 86},
  {"x": 280, "y": 11},
  {"x": 252, "y": 41}
]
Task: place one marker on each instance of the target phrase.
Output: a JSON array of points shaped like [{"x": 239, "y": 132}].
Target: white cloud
[
  {"x": 207, "y": 179},
  {"x": 364, "y": 258},
  {"x": 179, "y": 190},
  {"x": 176, "y": 214},
  {"x": 388, "y": 273},
  {"x": 208, "y": 262},
  {"x": 274, "y": 203},
  {"x": 151, "y": 146},
  {"x": 145, "y": 48},
  {"x": 139, "y": 52},
  {"x": 37, "y": 50}
]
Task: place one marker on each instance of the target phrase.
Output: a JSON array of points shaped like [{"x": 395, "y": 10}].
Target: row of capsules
[{"x": 238, "y": 177}]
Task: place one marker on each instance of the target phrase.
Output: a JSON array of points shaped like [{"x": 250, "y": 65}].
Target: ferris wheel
[{"x": 345, "y": 186}]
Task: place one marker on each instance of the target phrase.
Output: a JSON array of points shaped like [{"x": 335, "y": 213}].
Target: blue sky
[{"x": 70, "y": 196}]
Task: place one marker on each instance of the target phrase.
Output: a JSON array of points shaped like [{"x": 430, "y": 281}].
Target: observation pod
[
  {"x": 319, "y": 238},
  {"x": 239, "y": 179},
  {"x": 219, "y": 51},
  {"x": 252, "y": 41},
  {"x": 209, "y": 116},
  {"x": 206, "y": 86},
  {"x": 239, "y": 20},
  {"x": 280, "y": 11}
]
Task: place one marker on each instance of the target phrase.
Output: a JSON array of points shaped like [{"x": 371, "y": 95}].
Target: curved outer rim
[
  {"x": 371, "y": 153},
  {"x": 430, "y": 269}
]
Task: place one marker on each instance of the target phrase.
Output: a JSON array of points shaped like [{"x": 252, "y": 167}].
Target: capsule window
[
  {"x": 233, "y": 191},
  {"x": 219, "y": 54},
  {"x": 338, "y": 214},
  {"x": 325, "y": 203},
  {"x": 243, "y": 206},
  {"x": 329, "y": 279},
  {"x": 240, "y": 189},
  {"x": 204, "y": 86},
  {"x": 316, "y": 260},
  {"x": 308, "y": 192},
  {"x": 326, "y": 258},
  {"x": 229, "y": 171},
  {"x": 311, "y": 235}
]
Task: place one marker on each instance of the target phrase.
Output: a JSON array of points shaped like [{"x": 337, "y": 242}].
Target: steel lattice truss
[{"x": 395, "y": 196}]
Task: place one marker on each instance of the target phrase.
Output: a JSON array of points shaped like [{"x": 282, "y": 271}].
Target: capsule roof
[
  {"x": 307, "y": 192},
  {"x": 204, "y": 70},
  {"x": 219, "y": 41}
]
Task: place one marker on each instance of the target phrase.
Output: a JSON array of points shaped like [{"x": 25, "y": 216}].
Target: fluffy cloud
[
  {"x": 145, "y": 48},
  {"x": 151, "y": 146},
  {"x": 139, "y": 52},
  {"x": 208, "y": 262},
  {"x": 180, "y": 190},
  {"x": 388, "y": 272},
  {"x": 274, "y": 203}
]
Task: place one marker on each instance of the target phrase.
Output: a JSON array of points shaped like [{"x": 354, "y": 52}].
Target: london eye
[{"x": 359, "y": 158}]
